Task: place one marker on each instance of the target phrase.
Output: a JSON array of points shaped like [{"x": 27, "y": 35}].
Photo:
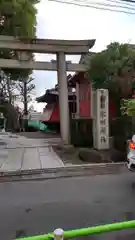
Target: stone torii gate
[{"x": 58, "y": 47}]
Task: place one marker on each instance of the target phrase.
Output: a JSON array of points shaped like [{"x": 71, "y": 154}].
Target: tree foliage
[
  {"x": 114, "y": 69},
  {"x": 17, "y": 18},
  {"x": 128, "y": 107},
  {"x": 25, "y": 89}
]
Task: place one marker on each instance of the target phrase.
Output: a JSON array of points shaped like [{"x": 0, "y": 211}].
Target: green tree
[
  {"x": 114, "y": 69},
  {"x": 7, "y": 86},
  {"x": 25, "y": 89},
  {"x": 17, "y": 18},
  {"x": 128, "y": 107}
]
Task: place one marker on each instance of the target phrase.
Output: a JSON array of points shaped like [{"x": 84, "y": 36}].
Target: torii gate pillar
[{"x": 63, "y": 98}]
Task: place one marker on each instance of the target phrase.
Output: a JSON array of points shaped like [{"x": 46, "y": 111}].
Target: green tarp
[{"x": 38, "y": 125}]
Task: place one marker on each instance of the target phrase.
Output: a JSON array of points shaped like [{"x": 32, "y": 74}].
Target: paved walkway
[{"x": 21, "y": 153}]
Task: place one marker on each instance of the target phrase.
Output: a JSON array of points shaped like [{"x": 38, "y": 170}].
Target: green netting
[{"x": 87, "y": 231}]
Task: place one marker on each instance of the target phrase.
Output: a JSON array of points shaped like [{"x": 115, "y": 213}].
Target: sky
[{"x": 62, "y": 21}]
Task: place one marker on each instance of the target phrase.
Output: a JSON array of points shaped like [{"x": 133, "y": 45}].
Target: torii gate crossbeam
[{"x": 60, "y": 48}]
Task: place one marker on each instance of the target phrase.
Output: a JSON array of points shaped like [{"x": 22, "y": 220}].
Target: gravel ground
[
  {"x": 69, "y": 157},
  {"x": 38, "y": 135}
]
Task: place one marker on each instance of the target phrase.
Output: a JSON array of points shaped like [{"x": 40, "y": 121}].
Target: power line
[
  {"x": 106, "y": 5},
  {"x": 93, "y": 6},
  {"x": 128, "y": 1},
  {"x": 122, "y": 2}
]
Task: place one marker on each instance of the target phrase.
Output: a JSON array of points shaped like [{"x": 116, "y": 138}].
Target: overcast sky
[{"x": 61, "y": 21}]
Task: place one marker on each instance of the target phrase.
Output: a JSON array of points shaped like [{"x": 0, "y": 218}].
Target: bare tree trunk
[
  {"x": 9, "y": 90},
  {"x": 25, "y": 105},
  {"x": 25, "y": 98}
]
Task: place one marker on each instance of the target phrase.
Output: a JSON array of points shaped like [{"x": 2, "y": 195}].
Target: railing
[{"x": 59, "y": 234}]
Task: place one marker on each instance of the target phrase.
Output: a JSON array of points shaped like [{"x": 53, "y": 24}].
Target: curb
[{"x": 64, "y": 172}]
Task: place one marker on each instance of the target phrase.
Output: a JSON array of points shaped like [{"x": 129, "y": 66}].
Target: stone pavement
[{"x": 21, "y": 153}]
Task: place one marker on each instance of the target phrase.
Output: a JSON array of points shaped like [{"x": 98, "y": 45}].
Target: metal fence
[{"x": 59, "y": 234}]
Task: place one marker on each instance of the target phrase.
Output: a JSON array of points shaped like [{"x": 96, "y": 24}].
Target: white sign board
[
  {"x": 100, "y": 119},
  {"x": 25, "y": 117},
  {"x": 34, "y": 116}
]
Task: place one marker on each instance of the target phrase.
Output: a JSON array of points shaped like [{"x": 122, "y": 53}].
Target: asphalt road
[{"x": 30, "y": 208}]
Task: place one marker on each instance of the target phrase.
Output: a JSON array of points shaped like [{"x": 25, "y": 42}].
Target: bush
[
  {"x": 81, "y": 132},
  {"x": 122, "y": 126},
  {"x": 121, "y": 129}
]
